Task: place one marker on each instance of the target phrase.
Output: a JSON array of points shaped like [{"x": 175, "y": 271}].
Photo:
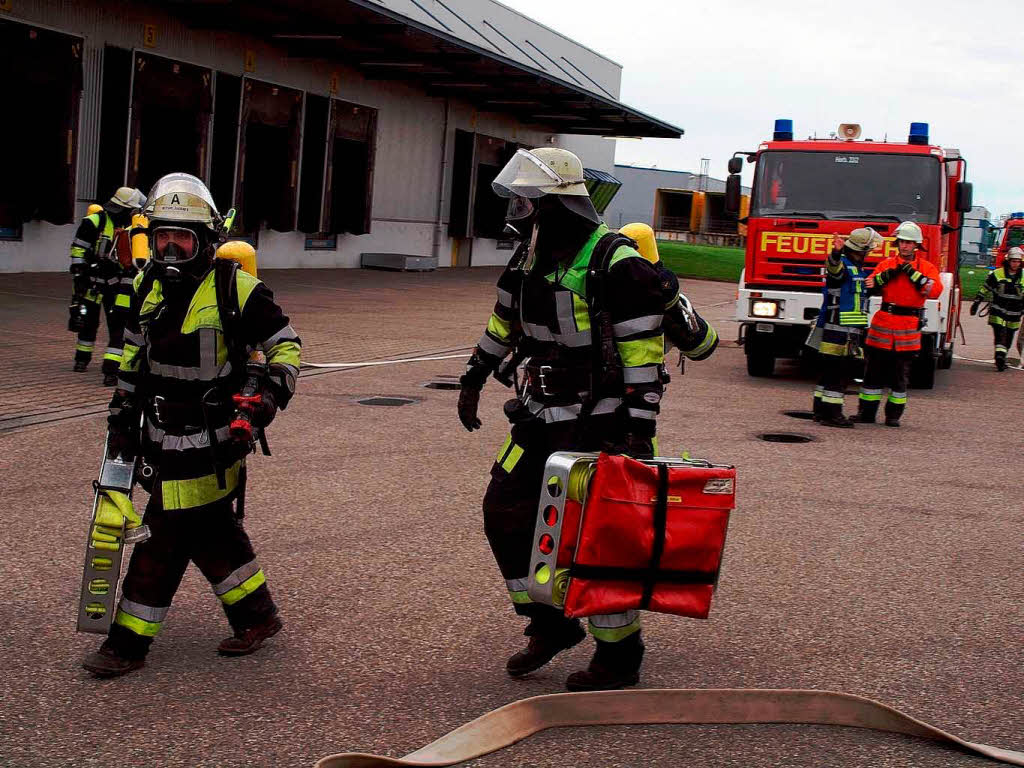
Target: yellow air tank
[
  {"x": 140, "y": 240},
  {"x": 645, "y": 242},
  {"x": 240, "y": 251}
]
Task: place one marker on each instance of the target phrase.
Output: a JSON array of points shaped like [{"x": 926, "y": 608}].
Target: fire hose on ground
[{"x": 689, "y": 706}]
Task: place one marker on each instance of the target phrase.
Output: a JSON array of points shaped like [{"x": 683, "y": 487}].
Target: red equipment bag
[{"x": 649, "y": 535}]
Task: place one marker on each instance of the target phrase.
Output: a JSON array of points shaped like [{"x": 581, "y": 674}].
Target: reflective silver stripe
[
  {"x": 81, "y": 243},
  {"x": 114, "y": 351},
  {"x": 87, "y": 344},
  {"x": 897, "y": 331},
  {"x": 144, "y": 612},
  {"x": 186, "y": 442},
  {"x": 901, "y": 395},
  {"x": 556, "y": 413},
  {"x": 236, "y": 578},
  {"x": 614, "y": 620},
  {"x": 539, "y": 332},
  {"x": 516, "y": 585},
  {"x": 639, "y": 413},
  {"x": 492, "y": 347},
  {"x": 606, "y": 405},
  {"x": 505, "y": 299},
  {"x": 564, "y": 313},
  {"x": 286, "y": 334},
  {"x": 839, "y": 328},
  {"x": 126, "y": 386},
  {"x": 637, "y": 325},
  {"x": 185, "y": 372},
  {"x": 869, "y": 391},
  {"x": 208, "y": 353},
  {"x": 641, "y": 375},
  {"x": 136, "y": 339}
]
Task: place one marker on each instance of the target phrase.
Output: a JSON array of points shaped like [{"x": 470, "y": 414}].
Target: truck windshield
[
  {"x": 1015, "y": 237},
  {"x": 848, "y": 185}
]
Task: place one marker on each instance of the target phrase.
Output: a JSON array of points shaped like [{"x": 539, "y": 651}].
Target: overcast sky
[{"x": 723, "y": 71}]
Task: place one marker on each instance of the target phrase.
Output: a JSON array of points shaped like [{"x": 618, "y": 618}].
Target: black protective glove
[
  {"x": 974, "y": 306},
  {"x": 631, "y": 445},
  {"x": 80, "y": 282},
  {"x": 264, "y": 412},
  {"x": 469, "y": 402},
  {"x": 122, "y": 427}
]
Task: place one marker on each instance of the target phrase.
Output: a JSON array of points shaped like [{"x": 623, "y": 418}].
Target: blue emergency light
[
  {"x": 918, "y": 133},
  {"x": 1017, "y": 215},
  {"x": 783, "y": 130}
]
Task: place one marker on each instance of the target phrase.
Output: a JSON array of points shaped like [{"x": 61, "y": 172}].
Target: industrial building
[
  {"x": 679, "y": 205},
  {"x": 336, "y": 129}
]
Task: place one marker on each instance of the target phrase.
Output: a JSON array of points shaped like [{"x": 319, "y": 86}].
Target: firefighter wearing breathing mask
[
  {"x": 583, "y": 310},
  {"x": 194, "y": 323},
  {"x": 102, "y": 273}
]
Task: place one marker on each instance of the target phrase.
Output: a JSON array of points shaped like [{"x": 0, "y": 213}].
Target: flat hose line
[{"x": 693, "y": 706}]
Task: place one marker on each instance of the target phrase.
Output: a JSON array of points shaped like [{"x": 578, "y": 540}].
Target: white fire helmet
[
  {"x": 1015, "y": 253},
  {"x": 181, "y": 198},
  {"x": 909, "y": 230},
  {"x": 541, "y": 171}
]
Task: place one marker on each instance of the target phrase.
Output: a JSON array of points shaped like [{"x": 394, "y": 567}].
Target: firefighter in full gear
[
  {"x": 592, "y": 382},
  {"x": 1004, "y": 291},
  {"x": 684, "y": 328},
  {"x": 102, "y": 273},
  {"x": 195, "y": 324},
  {"x": 906, "y": 281},
  {"x": 842, "y": 321}
]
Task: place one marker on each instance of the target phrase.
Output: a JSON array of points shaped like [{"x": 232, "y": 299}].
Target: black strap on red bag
[{"x": 658, "y": 547}]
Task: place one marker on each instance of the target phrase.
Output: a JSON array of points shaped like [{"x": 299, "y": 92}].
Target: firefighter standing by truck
[
  {"x": 102, "y": 273},
  {"x": 842, "y": 321},
  {"x": 592, "y": 383},
  {"x": 194, "y": 323},
  {"x": 894, "y": 338},
  {"x": 1004, "y": 291}
]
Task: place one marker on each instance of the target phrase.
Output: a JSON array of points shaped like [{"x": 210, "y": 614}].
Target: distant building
[
  {"x": 679, "y": 205},
  {"x": 978, "y": 236}
]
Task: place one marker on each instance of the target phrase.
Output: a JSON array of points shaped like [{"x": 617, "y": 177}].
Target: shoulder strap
[
  {"x": 225, "y": 282},
  {"x": 600, "y": 258}
]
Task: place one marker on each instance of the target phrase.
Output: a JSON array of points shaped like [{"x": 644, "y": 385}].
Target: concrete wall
[{"x": 409, "y": 163}]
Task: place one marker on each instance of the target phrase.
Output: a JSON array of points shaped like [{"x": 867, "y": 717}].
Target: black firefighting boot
[
  {"x": 549, "y": 635},
  {"x": 108, "y": 662},
  {"x": 614, "y": 665},
  {"x": 81, "y": 364},
  {"x": 1000, "y": 361},
  {"x": 817, "y": 405},
  {"x": 867, "y": 410},
  {"x": 832, "y": 416},
  {"x": 250, "y": 640},
  {"x": 893, "y": 413}
]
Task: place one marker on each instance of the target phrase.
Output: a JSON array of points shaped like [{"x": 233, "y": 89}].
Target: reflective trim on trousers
[
  {"x": 136, "y": 339},
  {"x": 606, "y": 405},
  {"x": 113, "y": 353},
  {"x": 611, "y": 628},
  {"x": 144, "y": 612},
  {"x": 127, "y": 386},
  {"x": 85, "y": 346},
  {"x": 236, "y": 578},
  {"x": 818, "y": 390},
  {"x": 870, "y": 395},
  {"x": 137, "y": 625},
  {"x": 898, "y": 398},
  {"x": 492, "y": 347},
  {"x": 517, "y": 590},
  {"x": 637, "y": 325},
  {"x": 644, "y": 374},
  {"x": 829, "y": 396}
]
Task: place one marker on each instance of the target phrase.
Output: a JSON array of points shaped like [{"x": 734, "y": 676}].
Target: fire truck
[
  {"x": 806, "y": 191},
  {"x": 1013, "y": 235}
]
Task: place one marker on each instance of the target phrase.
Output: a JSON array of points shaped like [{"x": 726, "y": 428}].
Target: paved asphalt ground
[{"x": 874, "y": 561}]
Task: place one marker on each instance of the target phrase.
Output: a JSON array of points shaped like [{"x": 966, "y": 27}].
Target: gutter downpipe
[{"x": 435, "y": 249}]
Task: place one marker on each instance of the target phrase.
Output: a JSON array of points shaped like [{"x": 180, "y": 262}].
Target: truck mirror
[
  {"x": 964, "y": 196},
  {"x": 732, "y": 194},
  {"x": 735, "y": 164}
]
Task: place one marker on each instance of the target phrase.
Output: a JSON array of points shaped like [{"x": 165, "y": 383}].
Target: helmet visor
[
  {"x": 519, "y": 208},
  {"x": 526, "y": 176},
  {"x": 174, "y": 245}
]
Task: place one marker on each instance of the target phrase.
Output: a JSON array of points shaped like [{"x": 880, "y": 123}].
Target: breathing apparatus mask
[{"x": 183, "y": 224}]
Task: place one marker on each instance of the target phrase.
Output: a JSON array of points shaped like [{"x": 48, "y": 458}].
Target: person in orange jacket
[{"x": 894, "y": 338}]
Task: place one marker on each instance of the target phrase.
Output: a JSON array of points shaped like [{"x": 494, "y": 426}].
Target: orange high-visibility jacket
[{"x": 902, "y": 332}]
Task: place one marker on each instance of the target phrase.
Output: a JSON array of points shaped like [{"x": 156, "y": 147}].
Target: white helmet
[
  {"x": 1015, "y": 253},
  {"x": 541, "y": 171},
  {"x": 125, "y": 199},
  {"x": 183, "y": 199},
  {"x": 909, "y": 230}
]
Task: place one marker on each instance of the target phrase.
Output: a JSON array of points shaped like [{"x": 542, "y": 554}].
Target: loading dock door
[
  {"x": 42, "y": 77},
  {"x": 170, "y": 123},
  {"x": 351, "y": 144},
  {"x": 268, "y": 156}
]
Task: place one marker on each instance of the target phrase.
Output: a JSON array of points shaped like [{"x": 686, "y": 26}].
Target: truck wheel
[
  {"x": 760, "y": 358},
  {"x": 922, "y": 370},
  {"x": 946, "y": 358}
]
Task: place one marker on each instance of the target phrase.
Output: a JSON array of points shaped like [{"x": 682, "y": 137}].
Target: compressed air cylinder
[
  {"x": 140, "y": 240},
  {"x": 645, "y": 242},
  {"x": 240, "y": 251}
]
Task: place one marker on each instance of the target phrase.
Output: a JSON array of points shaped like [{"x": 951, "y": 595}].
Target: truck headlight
[{"x": 764, "y": 308}]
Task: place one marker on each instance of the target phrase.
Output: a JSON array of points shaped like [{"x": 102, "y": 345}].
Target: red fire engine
[
  {"x": 804, "y": 192},
  {"x": 1013, "y": 235}
]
